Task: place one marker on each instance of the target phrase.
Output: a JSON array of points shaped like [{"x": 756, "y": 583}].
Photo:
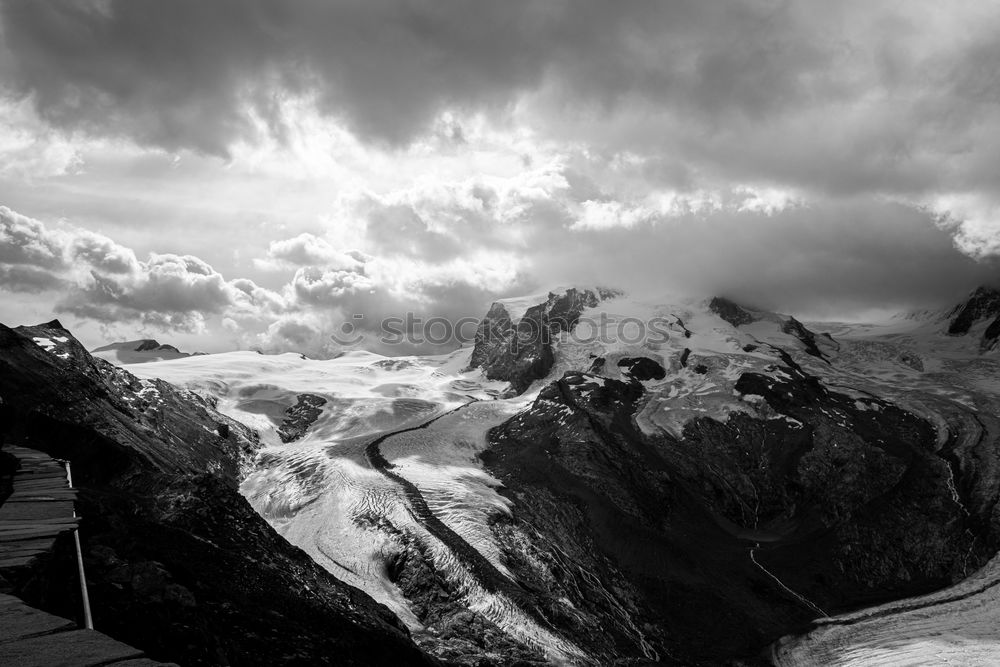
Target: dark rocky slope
[
  {"x": 737, "y": 316},
  {"x": 299, "y": 417},
  {"x": 178, "y": 562},
  {"x": 731, "y": 312},
  {"x": 982, "y": 304},
  {"x": 703, "y": 549}
]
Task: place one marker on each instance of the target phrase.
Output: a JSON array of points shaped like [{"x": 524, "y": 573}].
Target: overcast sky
[{"x": 240, "y": 173}]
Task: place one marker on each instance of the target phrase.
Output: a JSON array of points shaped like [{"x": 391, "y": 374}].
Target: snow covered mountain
[
  {"x": 601, "y": 480},
  {"x": 137, "y": 352}
]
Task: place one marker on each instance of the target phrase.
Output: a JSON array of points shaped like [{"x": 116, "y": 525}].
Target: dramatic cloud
[
  {"x": 841, "y": 96},
  {"x": 820, "y": 261},
  {"x": 268, "y": 170},
  {"x": 444, "y": 220},
  {"x": 104, "y": 281},
  {"x": 92, "y": 277},
  {"x": 29, "y": 149},
  {"x": 308, "y": 250},
  {"x": 27, "y": 241},
  {"x": 169, "y": 290},
  {"x": 191, "y": 74},
  {"x": 327, "y": 287},
  {"x": 102, "y": 253}
]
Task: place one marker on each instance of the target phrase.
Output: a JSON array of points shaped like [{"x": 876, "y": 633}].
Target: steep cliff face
[
  {"x": 178, "y": 562},
  {"x": 706, "y": 547},
  {"x": 492, "y": 337},
  {"x": 731, "y": 312},
  {"x": 982, "y": 305}
]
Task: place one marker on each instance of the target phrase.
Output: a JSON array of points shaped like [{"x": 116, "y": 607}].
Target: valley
[{"x": 770, "y": 473}]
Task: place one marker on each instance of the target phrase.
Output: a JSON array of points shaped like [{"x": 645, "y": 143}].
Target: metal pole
[{"x": 88, "y": 621}]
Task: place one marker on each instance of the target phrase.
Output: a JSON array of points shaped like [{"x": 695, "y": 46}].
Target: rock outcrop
[
  {"x": 644, "y": 368},
  {"x": 982, "y": 304},
  {"x": 300, "y": 417},
  {"x": 731, "y": 312},
  {"x": 793, "y": 327},
  {"x": 523, "y": 351}
]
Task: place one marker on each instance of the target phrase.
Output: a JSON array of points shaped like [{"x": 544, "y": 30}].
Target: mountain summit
[{"x": 138, "y": 351}]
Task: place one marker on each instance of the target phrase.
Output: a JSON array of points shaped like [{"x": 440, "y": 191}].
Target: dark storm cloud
[
  {"x": 169, "y": 74},
  {"x": 827, "y": 260},
  {"x": 178, "y": 72},
  {"x": 840, "y": 97},
  {"x": 824, "y": 258}
]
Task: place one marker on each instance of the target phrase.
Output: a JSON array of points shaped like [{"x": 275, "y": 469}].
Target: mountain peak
[
  {"x": 514, "y": 340},
  {"x": 983, "y": 302},
  {"x": 731, "y": 311},
  {"x": 138, "y": 351}
]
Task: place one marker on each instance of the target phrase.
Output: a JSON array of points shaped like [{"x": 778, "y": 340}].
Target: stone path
[{"x": 38, "y": 510}]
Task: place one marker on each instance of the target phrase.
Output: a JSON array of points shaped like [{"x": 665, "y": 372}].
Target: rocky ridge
[
  {"x": 524, "y": 351},
  {"x": 982, "y": 304},
  {"x": 139, "y": 351},
  {"x": 179, "y": 565}
]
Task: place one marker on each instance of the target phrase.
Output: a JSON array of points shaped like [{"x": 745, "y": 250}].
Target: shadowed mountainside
[
  {"x": 178, "y": 562},
  {"x": 705, "y": 545}
]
